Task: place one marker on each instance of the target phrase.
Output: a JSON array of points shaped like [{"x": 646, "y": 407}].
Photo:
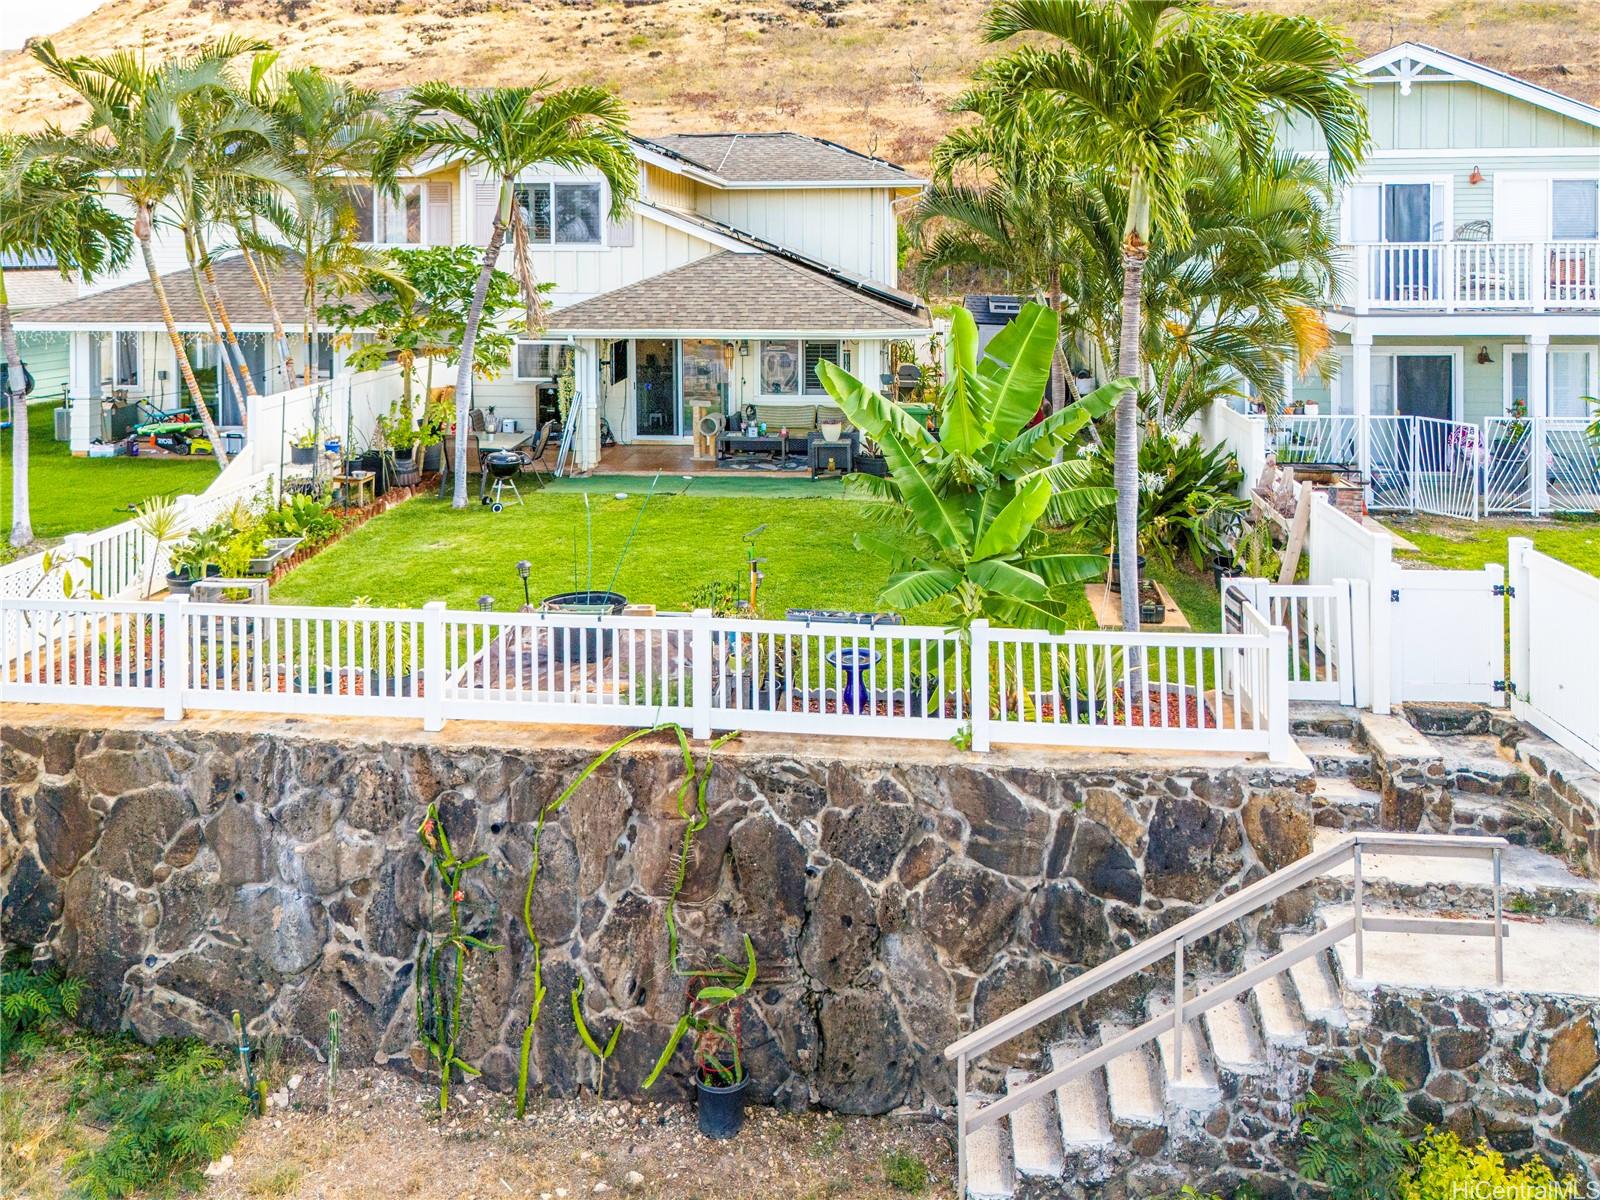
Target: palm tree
[
  {"x": 1131, "y": 85},
  {"x": 46, "y": 207},
  {"x": 503, "y": 132},
  {"x": 138, "y": 133},
  {"x": 327, "y": 131}
]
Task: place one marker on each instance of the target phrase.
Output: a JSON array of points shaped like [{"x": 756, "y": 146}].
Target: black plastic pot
[
  {"x": 568, "y": 644},
  {"x": 1116, "y": 571},
  {"x": 382, "y": 475},
  {"x": 721, "y": 1109},
  {"x": 179, "y": 582},
  {"x": 431, "y": 457},
  {"x": 302, "y": 456},
  {"x": 1152, "y": 611},
  {"x": 1223, "y": 567}
]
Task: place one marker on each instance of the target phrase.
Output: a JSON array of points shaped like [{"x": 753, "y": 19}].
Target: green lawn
[
  {"x": 76, "y": 495},
  {"x": 1473, "y": 544},
  {"x": 688, "y": 536}
]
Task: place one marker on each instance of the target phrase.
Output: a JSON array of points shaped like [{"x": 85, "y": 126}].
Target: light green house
[{"x": 1472, "y": 240}]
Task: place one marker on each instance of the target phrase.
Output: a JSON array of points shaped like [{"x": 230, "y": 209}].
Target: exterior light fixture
[
  {"x": 485, "y": 603},
  {"x": 744, "y": 348},
  {"x": 1483, "y": 355},
  {"x": 1476, "y": 177},
  {"x": 524, "y": 569}
]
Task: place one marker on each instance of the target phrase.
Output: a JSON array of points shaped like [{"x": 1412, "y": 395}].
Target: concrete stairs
[{"x": 1091, "y": 1131}]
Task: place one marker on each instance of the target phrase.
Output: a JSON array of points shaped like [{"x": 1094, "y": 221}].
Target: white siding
[
  {"x": 849, "y": 228},
  {"x": 582, "y": 273}
]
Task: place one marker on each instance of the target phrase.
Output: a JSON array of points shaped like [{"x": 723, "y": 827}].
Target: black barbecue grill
[{"x": 502, "y": 466}]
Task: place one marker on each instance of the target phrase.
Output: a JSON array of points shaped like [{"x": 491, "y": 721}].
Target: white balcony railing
[{"x": 1448, "y": 276}]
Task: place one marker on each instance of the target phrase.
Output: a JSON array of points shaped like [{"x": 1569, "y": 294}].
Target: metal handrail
[{"x": 1172, "y": 942}]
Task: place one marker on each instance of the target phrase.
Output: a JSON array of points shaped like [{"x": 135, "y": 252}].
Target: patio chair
[{"x": 533, "y": 456}]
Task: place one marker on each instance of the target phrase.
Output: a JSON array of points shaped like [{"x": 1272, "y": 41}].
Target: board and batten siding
[
  {"x": 849, "y": 228},
  {"x": 1453, "y": 116}
]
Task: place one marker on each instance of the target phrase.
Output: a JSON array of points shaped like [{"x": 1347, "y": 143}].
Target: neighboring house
[
  {"x": 1473, "y": 247},
  {"x": 32, "y": 280},
  {"x": 991, "y": 314},
  {"x": 748, "y": 259}
]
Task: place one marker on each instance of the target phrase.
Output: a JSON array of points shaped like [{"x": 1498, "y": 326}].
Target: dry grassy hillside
[{"x": 876, "y": 74}]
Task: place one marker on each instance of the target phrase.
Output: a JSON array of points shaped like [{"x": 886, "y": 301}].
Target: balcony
[{"x": 1467, "y": 276}]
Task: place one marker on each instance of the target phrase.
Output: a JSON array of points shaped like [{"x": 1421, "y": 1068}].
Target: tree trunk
[
  {"x": 216, "y": 335},
  {"x": 1126, "y": 468},
  {"x": 264, "y": 286},
  {"x": 141, "y": 228},
  {"x": 16, "y": 385},
  {"x": 480, "y": 294},
  {"x": 234, "y": 350}
]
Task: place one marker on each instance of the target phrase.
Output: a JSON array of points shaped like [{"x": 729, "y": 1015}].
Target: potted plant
[
  {"x": 438, "y": 419},
  {"x": 720, "y": 1073},
  {"x": 195, "y": 559},
  {"x": 303, "y": 448}
]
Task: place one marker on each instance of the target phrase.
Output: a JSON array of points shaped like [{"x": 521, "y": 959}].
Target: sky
[{"x": 23, "y": 19}]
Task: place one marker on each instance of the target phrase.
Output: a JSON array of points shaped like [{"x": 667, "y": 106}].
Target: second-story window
[
  {"x": 384, "y": 219},
  {"x": 1575, "y": 209},
  {"x": 562, "y": 214}
]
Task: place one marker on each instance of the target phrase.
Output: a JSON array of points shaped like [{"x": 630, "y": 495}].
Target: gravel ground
[{"x": 385, "y": 1141}]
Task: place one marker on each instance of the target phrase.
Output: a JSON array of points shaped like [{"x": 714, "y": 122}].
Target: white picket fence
[
  {"x": 1555, "y": 649},
  {"x": 1318, "y": 622},
  {"x": 1209, "y": 692}
]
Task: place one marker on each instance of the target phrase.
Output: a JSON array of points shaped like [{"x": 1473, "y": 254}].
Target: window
[
  {"x": 565, "y": 214},
  {"x": 819, "y": 352},
  {"x": 116, "y": 359},
  {"x": 780, "y": 368},
  {"x": 1575, "y": 209},
  {"x": 1399, "y": 211},
  {"x": 619, "y": 361},
  {"x": 540, "y": 360},
  {"x": 386, "y": 220},
  {"x": 781, "y": 363}
]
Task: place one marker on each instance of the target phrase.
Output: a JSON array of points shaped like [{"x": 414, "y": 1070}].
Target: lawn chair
[{"x": 533, "y": 456}]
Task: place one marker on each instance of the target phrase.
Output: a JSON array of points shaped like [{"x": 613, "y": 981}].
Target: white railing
[
  {"x": 1474, "y": 275},
  {"x": 1317, "y": 617},
  {"x": 1533, "y": 465},
  {"x": 1555, "y": 649},
  {"x": 1187, "y": 1005},
  {"x": 1147, "y": 690},
  {"x": 1220, "y": 692}
]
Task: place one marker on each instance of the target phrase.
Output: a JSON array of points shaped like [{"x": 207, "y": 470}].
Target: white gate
[
  {"x": 1449, "y": 634},
  {"x": 1555, "y": 649},
  {"x": 1444, "y": 461},
  {"x": 1317, "y": 617}
]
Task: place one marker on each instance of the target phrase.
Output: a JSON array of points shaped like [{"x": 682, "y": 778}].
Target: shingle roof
[
  {"x": 777, "y": 158},
  {"x": 730, "y": 293},
  {"x": 135, "y": 303}
]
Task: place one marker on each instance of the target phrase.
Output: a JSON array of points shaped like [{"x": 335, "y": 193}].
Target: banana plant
[{"x": 962, "y": 507}]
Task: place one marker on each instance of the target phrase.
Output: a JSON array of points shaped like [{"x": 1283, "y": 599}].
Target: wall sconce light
[
  {"x": 744, "y": 349},
  {"x": 1476, "y": 177},
  {"x": 1483, "y": 355}
]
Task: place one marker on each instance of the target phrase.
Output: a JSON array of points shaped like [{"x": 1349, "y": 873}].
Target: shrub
[
  {"x": 33, "y": 1005},
  {"x": 1447, "y": 1170},
  {"x": 1355, "y": 1135},
  {"x": 905, "y": 1172},
  {"x": 166, "y": 1116}
]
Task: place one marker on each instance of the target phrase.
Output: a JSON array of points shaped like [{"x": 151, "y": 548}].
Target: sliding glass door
[{"x": 673, "y": 378}]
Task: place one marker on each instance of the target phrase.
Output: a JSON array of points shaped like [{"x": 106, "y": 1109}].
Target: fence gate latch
[
  {"x": 1394, "y": 595},
  {"x": 1505, "y": 589}
]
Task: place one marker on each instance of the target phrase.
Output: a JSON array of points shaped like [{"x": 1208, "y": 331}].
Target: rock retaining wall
[{"x": 185, "y": 871}]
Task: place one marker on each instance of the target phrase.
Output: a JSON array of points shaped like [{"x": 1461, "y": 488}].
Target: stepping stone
[
  {"x": 1133, "y": 1086},
  {"x": 991, "y": 1174},
  {"x": 1196, "y": 1082},
  {"x": 1080, "y": 1104},
  {"x": 1314, "y": 983},
  {"x": 1281, "y": 1022},
  {"x": 1234, "y": 1043}
]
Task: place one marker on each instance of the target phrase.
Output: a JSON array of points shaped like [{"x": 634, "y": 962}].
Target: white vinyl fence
[
  {"x": 1212, "y": 692},
  {"x": 1318, "y": 623},
  {"x": 1555, "y": 649}
]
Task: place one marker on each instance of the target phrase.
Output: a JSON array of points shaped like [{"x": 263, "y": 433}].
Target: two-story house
[
  {"x": 1472, "y": 240},
  {"x": 747, "y": 260}
]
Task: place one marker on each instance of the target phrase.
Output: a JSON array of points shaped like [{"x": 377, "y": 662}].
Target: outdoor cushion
[
  {"x": 798, "y": 417},
  {"x": 831, "y": 412}
]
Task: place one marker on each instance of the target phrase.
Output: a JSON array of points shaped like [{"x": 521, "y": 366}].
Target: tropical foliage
[
  {"x": 962, "y": 507},
  {"x": 1131, "y": 86},
  {"x": 1445, "y": 1169},
  {"x": 502, "y": 132},
  {"x": 1353, "y": 1134},
  {"x": 49, "y": 208},
  {"x": 1188, "y": 497}
]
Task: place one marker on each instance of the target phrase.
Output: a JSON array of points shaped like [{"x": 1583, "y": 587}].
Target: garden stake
[{"x": 333, "y": 1052}]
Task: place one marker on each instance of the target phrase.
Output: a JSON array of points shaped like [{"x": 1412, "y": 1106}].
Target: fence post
[
  {"x": 1280, "y": 742},
  {"x": 433, "y": 666},
  {"x": 700, "y": 657},
  {"x": 1344, "y": 639},
  {"x": 978, "y": 662},
  {"x": 1361, "y": 648},
  {"x": 175, "y": 652},
  {"x": 1520, "y": 667}
]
